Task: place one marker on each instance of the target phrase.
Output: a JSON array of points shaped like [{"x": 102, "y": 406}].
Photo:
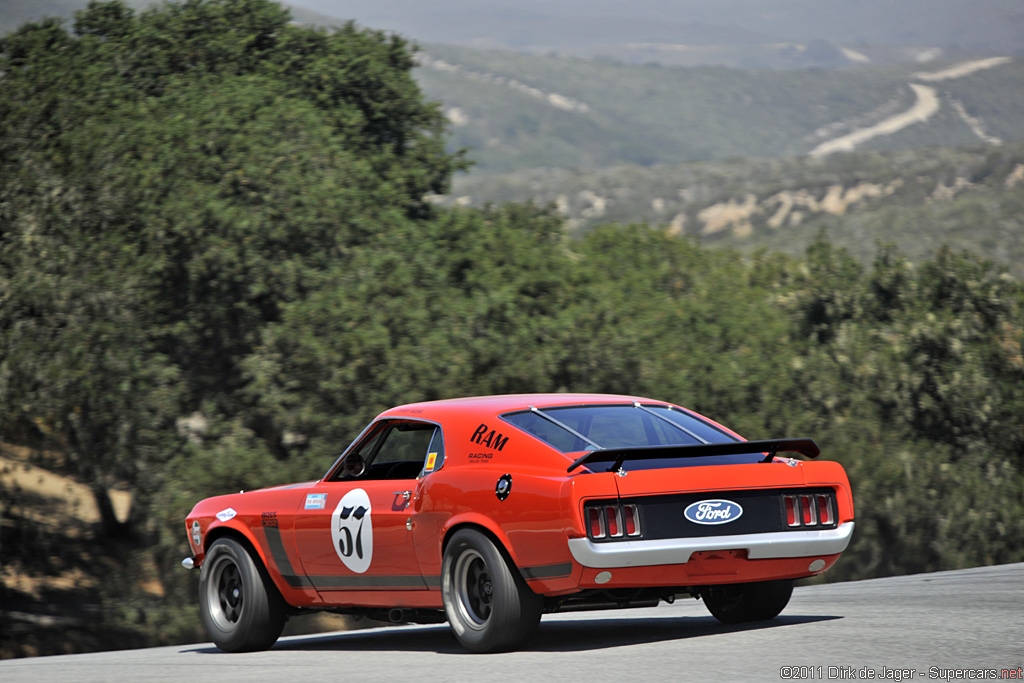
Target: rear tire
[
  {"x": 742, "y": 602},
  {"x": 241, "y": 608},
  {"x": 488, "y": 604}
]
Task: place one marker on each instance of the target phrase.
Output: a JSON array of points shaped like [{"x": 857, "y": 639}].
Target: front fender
[
  {"x": 220, "y": 529},
  {"x": 214, "y": 518}
]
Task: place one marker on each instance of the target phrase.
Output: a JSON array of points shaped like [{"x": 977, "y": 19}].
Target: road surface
[{"x": 923, "y": 627}]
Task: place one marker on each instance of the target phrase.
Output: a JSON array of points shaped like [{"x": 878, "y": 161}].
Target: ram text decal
[{"x": 490, "y": 439}]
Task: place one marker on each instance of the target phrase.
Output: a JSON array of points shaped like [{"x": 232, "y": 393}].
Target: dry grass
[
  {"x": 50, "y": 561},
  {"x": 69, "y": 498}
]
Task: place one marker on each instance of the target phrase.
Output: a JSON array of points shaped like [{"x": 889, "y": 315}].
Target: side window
[
  {"x": 397, "y": 450},
  {"x": 405, "y": 443}
]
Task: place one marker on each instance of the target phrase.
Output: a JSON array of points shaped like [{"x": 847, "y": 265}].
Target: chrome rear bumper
[{"x": 678, "y": 550}]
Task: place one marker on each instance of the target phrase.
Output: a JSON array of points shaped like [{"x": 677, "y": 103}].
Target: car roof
[{"x": 505, "y": 403}]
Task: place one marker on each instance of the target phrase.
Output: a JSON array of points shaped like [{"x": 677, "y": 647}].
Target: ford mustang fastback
[{"x": 489, "y": 512}]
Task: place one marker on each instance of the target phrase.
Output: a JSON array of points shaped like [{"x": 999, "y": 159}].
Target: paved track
[{"x": 968, "y": 619}]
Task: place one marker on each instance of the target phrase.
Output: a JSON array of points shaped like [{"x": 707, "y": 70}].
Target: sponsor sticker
[
  {"x": 316, "y": 501},
  {"x": 431, "y": 461},
  {"x": 352, "y": 530},
  {"x": 713, "y": 512},
  {"x": 226, "y": 514}
]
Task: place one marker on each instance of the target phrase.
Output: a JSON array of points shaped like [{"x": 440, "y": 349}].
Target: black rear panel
[{"x": 763, "y": 512}]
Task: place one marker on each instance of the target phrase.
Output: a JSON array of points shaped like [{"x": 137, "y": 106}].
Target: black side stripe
[
  {"x": 295, "y": 580},
  {"x": 547, "y": 571},
  {"x": 284, "y": 565},
  {"x": 413, "y": 581}
]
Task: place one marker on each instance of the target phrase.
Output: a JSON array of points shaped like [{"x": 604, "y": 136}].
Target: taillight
[
  {"x": 631, "y": 517},
  {"x": 614, "y": 528},
  {"x": 791, "y": 518},
  {"x": 825, "y": 509},
  {"x": 809, "y": 510},
  {"x": 596, "y": 523},
  {"x": 606, "y": 520}
]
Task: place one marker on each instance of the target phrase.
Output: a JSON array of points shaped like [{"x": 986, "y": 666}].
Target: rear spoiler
[{"x": 770, "y": 447}]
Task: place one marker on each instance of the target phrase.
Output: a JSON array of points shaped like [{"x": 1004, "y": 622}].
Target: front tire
[
  {"x": 488, "y": 604},
  {"x": 742, "y": 602},
  {"x": 241, "y": 608}
]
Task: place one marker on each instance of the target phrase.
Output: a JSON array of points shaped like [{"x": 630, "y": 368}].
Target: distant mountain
[
  {"x": 515, "y": 110},
  {"x": 739, "y": 33}
]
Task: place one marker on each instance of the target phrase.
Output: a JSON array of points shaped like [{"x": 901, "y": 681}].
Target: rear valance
[{"x": 771, "y": 447}]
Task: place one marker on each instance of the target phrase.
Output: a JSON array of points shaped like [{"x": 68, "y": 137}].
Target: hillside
[
  {"x": 968, "y": 197},
  {"x": 518, "y": 111},
  {"x": 514, "y": 110}
]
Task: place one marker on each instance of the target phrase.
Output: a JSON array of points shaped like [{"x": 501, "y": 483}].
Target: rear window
[{"x": 572, "y": 429}]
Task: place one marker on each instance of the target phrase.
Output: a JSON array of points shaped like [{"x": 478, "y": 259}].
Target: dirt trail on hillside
[
  {"x": 924, "y": 108},
  {"x": 556, "y": 100},
  {"x": 961, "y": 70}
]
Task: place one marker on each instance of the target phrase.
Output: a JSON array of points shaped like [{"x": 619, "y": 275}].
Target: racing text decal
[
  {"x": 488, "y": 438},
  {"x": 352, "y": 530}
]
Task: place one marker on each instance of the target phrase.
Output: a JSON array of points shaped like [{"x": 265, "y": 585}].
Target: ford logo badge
[{"x": 713, "y": 512}]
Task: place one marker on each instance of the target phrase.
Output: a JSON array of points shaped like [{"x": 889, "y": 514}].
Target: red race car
[{"x": 488, "y": 512}]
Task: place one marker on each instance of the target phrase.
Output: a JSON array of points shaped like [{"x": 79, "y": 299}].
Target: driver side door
[{"x": 353, "y": 533}]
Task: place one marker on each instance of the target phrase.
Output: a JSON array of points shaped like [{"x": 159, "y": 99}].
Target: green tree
[
  {"x": 184, "y": 174},
  {"x": 471, "y": 303},
  {"x": 77, "y": 367}
]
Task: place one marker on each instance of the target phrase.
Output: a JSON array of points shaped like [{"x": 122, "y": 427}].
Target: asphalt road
[{"x": 923, "y": 627}]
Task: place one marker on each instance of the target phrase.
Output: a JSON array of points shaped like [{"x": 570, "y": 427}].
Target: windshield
[{"x": 597, "y": 427}]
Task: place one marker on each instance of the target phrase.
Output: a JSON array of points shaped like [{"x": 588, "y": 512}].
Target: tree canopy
[{"x": 171, "y": 181}]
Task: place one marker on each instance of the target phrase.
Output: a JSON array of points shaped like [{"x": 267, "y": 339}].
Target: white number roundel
[{"x": 352, "y": 530}]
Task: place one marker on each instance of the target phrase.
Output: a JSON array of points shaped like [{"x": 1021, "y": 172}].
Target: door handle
[{"x": 404, "y": 494}]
